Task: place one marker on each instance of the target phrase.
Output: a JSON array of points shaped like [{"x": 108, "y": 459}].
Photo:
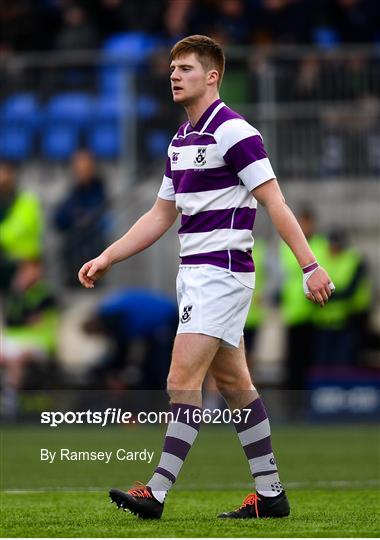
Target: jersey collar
[{"x": 205, "y": 116}]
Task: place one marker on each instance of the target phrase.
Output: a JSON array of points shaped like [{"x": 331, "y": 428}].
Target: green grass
[
  {"x": 333, "y": 513},
  {"x": 331, "y": 474}
]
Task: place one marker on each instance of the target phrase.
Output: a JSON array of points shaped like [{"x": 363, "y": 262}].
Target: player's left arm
[{"x": 270, "y": 196}]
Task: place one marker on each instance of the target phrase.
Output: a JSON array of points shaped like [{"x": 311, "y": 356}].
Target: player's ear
[{"x": 212, "y": 76}]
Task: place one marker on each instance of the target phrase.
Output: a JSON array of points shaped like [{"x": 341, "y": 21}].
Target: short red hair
[{"x": 209, "y": 53}]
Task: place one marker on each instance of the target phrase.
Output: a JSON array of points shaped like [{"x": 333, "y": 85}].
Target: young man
[{"x": 216, "y": 171}]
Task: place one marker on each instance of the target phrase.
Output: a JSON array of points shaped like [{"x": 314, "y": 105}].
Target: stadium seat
[
  {"x": 111, "y": 110},
  {"x": 105, "y": 139},
  {"x": 75, "y": 108},
  {"x": 157, "y": 143},
  {"x": 147, "y": 106},
  {"x": 16, "y": 142},
  {"x": 21, "y": 109},
  {"x": 59, "y": 141},
  {"x": 131, "y": 49}
]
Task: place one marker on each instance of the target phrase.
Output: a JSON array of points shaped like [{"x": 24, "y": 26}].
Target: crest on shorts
[
  {"x": 200, "y": 158},
  {"x": 186, "y": 314}
]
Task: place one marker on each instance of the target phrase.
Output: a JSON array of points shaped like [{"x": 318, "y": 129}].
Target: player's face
[{"x": 188, "y": 79}]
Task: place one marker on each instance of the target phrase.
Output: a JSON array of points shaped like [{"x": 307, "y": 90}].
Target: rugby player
[{"x": 217, "y": 170}]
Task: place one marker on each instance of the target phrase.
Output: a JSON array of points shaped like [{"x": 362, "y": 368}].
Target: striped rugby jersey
[{"x": 211, "y": 169}]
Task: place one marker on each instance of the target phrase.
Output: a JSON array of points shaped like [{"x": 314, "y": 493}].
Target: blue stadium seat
[
  {"x": 59, "y": 141},
  {"x": 75, "y": 108},
  {"x": 112, "y": 109},
  {"x": 16, "y": 142},
  {"x": 147, "y": 106},
  {"x": 21, "y": 109},
  {"x": 132, "y": 49},
  {"x": 105, "y": 139},
  {"x": 157, "y": 143}
]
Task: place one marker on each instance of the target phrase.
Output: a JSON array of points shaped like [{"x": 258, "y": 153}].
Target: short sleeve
[
  {"x": 166, "y": 190},
  {"x": 242, "y": 148}
]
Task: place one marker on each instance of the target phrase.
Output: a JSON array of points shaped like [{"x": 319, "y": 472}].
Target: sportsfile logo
[{"x": 110, "y": 416}]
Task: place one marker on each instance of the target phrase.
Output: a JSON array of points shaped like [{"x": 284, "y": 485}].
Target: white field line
[{"x": 235, "y": 485}]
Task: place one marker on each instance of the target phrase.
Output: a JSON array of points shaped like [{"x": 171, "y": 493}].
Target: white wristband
[{"x": 308, "y": 271}]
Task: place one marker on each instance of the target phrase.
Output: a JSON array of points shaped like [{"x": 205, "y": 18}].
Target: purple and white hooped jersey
[{"x": 211, "y": 170}]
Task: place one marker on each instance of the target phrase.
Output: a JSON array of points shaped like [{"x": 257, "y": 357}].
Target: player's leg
[
  {"x": 192, "y": 356},
  {"x": 233, "y": 380}
]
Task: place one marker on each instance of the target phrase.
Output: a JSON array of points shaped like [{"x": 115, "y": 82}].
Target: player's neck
[{"x": 195, "y": 110}]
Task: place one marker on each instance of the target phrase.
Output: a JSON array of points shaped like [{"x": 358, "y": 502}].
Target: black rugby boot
[
  {"x": 258, "y": 506},
  {"x": 138, "y": 500}
]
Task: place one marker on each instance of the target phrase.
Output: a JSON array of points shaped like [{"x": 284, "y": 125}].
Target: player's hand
[
  {"x": 319, "y": 287},
  {"x": 93, "y": 270}
]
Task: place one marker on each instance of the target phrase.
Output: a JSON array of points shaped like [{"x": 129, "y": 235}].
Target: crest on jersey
[
  {"x": 175, "y": 157},
  {"x": 200, "y": 158},
  {"x": 186, "y": 314}
]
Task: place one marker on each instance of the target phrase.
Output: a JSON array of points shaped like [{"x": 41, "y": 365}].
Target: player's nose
[{"x": 174, "y": 75}]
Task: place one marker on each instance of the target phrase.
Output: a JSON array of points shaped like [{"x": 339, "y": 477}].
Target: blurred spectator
[
  {"x": 26, "y": 25},
  {"x": 22, "y": 27},
  {"x": 30, "y": 330},
  {"x": 20, "y": 224},
  {"x": 111, "y": 16},
  {"x": 232, "y": 22},
  {"x": 307, "y": 85},
  {"x": 341, "y": 326},
  {"x": 78, "y": 33},
  {"x": 81, "y": 217},
  {"x": 355, "y": 20},
  {"x": 350, "y": 138},
  {"x": 116, "y": 16},
  {"x": 176, "y": 17},
  {"x": 297, "y": 314},
  {"x": 256, "y": 313},
  {"x": 280, "y": 21},
  {"x": 129, "y": 315},
  {"x": 296, "y": 310}
]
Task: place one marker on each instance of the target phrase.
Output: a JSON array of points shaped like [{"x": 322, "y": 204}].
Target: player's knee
[
  {"x": 229, "y": 384},
  {"x": 176, "y": 381},
  {"x": 181, "y": 381},
  {"x": 172, "y": 383},
  {"x": 225, "y": 382}
]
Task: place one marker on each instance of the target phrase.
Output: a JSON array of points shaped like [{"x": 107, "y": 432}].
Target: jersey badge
[{"x": 200, "y": 158}]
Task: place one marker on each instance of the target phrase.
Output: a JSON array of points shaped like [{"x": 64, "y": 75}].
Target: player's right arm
[{"x": 145, "y": 232}]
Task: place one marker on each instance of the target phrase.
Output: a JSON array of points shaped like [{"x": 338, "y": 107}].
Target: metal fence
[{"x": 318, "y": 110}]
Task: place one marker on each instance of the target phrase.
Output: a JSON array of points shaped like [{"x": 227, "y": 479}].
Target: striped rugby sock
[
  {"x": 179, "y": 438},
  {"x": 255, "y": 438}
]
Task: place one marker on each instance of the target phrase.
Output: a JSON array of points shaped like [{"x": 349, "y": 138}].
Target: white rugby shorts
[{"x": 212, "y": 301}]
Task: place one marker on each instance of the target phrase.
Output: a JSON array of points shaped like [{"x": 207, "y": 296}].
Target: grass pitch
[
  {"x": 332, "y": 513},
  {"x": 331, "y": 475}
]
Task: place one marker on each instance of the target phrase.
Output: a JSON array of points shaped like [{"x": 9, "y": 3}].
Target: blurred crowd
[
  {"x": 334, "y": 340},
  {"x": 138, "y": 326},
  {"x": 27, "y": 25},
  {"x": 47, "y": 111}
]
